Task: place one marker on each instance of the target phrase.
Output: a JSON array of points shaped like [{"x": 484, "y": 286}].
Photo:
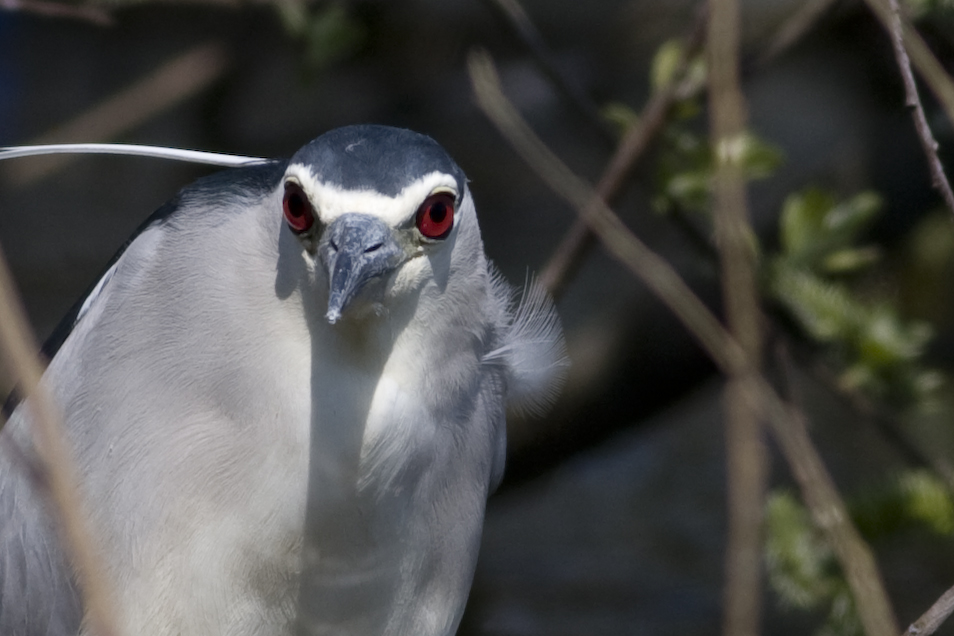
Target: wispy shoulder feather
[{"x": 532, "y": 349}]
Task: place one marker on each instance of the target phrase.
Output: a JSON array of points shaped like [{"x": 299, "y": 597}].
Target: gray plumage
[{"x": 255, "y": 456}]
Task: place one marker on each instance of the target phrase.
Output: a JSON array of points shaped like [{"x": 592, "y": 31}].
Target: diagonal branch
[
  {"x": 18, "y": 350},
  {"x": 160, "y": 90},
  {"x": 576, "y": 242},
  {"x": 818, "y": 489},
  {"x": 913, "y": 101},
  {"x": 932, "y": 619},
  {"x": 523, "y": 27},
  {"x": 908, "y": 43}
]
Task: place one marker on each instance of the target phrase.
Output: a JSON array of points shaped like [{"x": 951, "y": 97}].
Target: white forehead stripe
[{"x": 331, "y": 201}]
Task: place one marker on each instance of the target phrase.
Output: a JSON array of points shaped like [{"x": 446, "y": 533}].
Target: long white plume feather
[{"x": 159, "y": 152}]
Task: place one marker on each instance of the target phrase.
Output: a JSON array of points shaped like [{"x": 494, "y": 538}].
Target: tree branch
[
  {"x": 913, "y": 101},
  {"x": 909, "y": 43},
  {"x": 932, "y": 619},
  {"x": 746, "y": 456},
  {"x": 18, "y": 351},
  {"x": 657, "y": 274}
]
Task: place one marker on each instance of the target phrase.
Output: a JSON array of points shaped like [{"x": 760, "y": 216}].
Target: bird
[{"x": 286, "y": 399}]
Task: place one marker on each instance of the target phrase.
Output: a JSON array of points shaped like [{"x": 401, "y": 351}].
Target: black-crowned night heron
[{"x": 286, "y": 400}]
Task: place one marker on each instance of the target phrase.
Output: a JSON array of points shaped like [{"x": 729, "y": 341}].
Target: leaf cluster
[{"x": 876, "y": 350}]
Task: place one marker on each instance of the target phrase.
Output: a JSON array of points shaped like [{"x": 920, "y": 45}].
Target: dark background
[{"x": 611, "y": 519}]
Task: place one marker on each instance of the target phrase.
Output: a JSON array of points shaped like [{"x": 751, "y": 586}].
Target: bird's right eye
[{"x": 298, "y": 211}]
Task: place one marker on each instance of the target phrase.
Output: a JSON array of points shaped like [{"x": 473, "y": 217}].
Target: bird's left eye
[
  {"x": 298, "y": 212},
  {"x": 435, "y": 217}
]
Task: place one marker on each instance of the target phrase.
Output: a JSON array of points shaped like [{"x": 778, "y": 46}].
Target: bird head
[{"x": 377, "y": 211}]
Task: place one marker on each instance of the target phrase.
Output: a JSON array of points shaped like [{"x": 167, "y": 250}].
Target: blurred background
[{"x": 611, "y": 519}]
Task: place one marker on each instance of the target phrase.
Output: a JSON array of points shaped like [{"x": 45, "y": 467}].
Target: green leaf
[
  {"x": 885, "y": 340},
  {"x": 850, "y": 260},
  {"x": 825, "y": 310},
  {"x": 802, "y": 219},
  {"x": 331, "y": 35},
  {"x": 814, "y": 226},
  {"x": 928, "y": 500},
  {"x": 800, "y": 564},
  {"x": 760, "y": 159},
  {"x": 669, "y": 57},
  {"x": 621, "y": 116}
]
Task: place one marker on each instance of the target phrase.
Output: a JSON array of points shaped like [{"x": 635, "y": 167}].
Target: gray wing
[{"x": 37, "y": 593}]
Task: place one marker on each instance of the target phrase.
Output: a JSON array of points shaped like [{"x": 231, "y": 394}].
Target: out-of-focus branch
[
  {"x": 172, "y": 83},
  {"x": 746, "y": 455},
  {"x": 523, "y": 27},
  {"x": 85, "y": 13},
  {"x": 831, "y": 516},
  {"x": 817, "y": 487},
  {"x": 618, "y": 239},
  {"x": 19, "y": 354},
  {"x": 913, "y": 101},
  {"x": 793, "y": 29},
  {"x": 576, "y": 242},
  {"x": 932, "y": 619}
]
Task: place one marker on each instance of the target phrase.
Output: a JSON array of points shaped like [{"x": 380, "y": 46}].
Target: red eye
[
  {"x": 435, "y": 217},
  {"x": 298, "y": 212}
]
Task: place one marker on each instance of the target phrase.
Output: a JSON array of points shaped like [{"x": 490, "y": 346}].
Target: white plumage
[{"x": 287, "y": 421}]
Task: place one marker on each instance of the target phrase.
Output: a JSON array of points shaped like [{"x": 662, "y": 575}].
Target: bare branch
[
  {"x": 18, "y": 350},
  {"x": 85, "y": 13},
  {"x": 657, "y": 274},
  {"x": 576, "y": 242},
  {"x": 164, "y": 88},
  {"x": 909, "y": 43},
  {"x": 746, "y": 455},
  {"x": 932, "y": 619},
  {"x": 524, "y": 28},
  {"x": 913, "y": 101},
  {"x": 794, "y": 28},
  {"x": 621, "y": 243}
]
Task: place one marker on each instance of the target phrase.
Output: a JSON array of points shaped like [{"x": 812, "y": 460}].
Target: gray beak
[{"x": 355, "y": 249}]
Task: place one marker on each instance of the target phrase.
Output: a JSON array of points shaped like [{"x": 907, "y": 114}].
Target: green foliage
[
  {"x": 914, "y": 499},
  {"x": 666, "y": 64},
  {"x": 670, "y": 66},
  {"x": 620, "y": 116},
  {"x": 817, "y": 231},
  {"x": 802, "y": 569},
  {"x": 918, "y": 9},
  {"x": 686, "y": 167},
  {"x": 877, "y": 351},
  {"x": 328, "y": 33}
]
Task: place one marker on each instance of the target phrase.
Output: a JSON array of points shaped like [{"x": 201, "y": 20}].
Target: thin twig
[
  {"x": 913, "y": 46},
  {"x": 932, "y": 619},
  {"x": 18, "y": 349},
  {"x": 526, "y": 31},
  {"x": 576, "y": 242},
  {"x": 172, "y": 83},
  {"x": 793, "y": 29},
  {"x": 618, "y": 239},
  {"x": 913, "y": 101},
  {"x": 746, "y": 456},
  {"x": 831, "y": 515},
  {"x": 657, "y": 274}
]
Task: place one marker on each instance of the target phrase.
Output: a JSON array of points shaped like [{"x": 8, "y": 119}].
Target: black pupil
[
  {"x": 296, "y": 207},
  {"x": 438, "y": 212}
]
